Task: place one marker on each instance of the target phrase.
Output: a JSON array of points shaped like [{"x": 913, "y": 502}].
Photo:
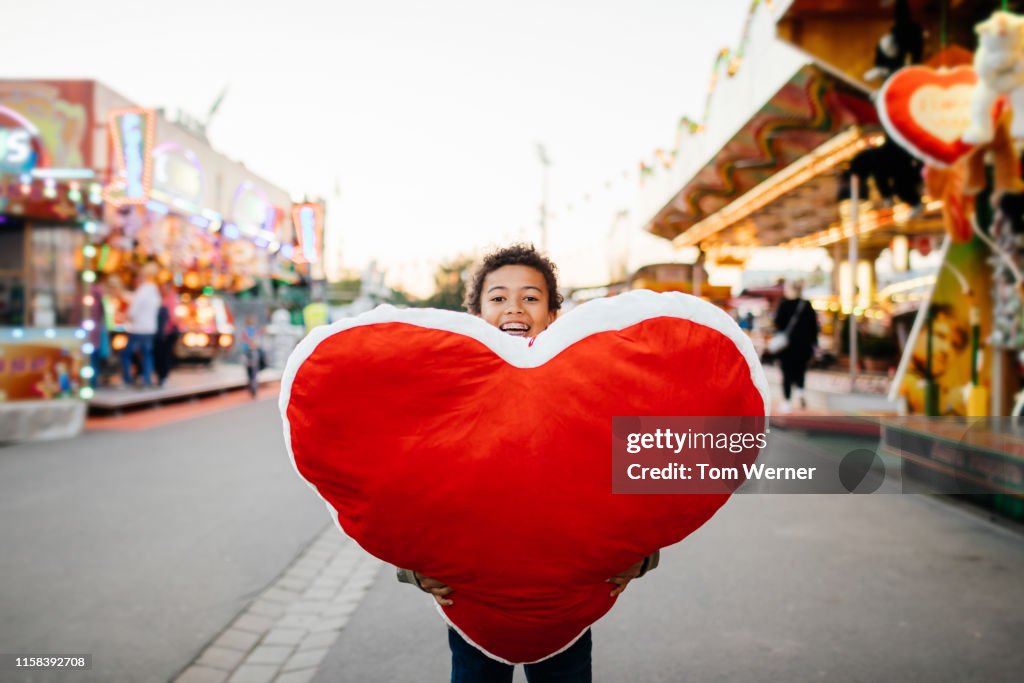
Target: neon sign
[
  {"x": 249, "y": 208},
  {"x": 20, "y": 147},
  {"x": 16, "y": 155},
  {"x": 177, "y": 177},
  {"x": 309, "y": 231},
  {"x": 132, "y": 133}
]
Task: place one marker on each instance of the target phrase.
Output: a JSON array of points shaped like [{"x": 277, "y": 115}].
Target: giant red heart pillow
[
  {"x": 927, "y": 110},
  {"x": 484, "y": 460}
]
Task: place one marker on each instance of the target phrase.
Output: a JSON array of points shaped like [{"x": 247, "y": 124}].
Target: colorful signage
[
  {"x": 937, "y": 365},
  {"x": 16, "y": 154},
  {"x": 249, "y": 209},
  {"x": 20, "y": 146},
  {"x": 56, "y": 116},
  {"x": 131, "y": 131},
  {"x": 177, "y": 177},
  {"x": 40, "y": 370},
  {"x": 309, "y": 231},
  {"x": 283, "y": 230}
]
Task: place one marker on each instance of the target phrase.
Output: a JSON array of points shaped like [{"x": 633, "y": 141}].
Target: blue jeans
[
  {"x": 138, "y": 342},
  {"x": 469, "y": 665}
]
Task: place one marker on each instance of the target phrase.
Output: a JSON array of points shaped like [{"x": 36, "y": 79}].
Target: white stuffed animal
[{"x": 999, "y": 62}]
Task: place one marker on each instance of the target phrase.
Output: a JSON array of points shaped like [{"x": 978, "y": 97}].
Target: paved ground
[
  {"x": 774, "y": 588},
  {"x": 190, "y": 549},
  {"x": 140, "y": 547},
  {"x": 184, "y": 382},
  {"x": 286, "y": 632}
]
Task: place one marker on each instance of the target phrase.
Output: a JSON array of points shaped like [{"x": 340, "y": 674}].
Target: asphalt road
[{"x": 139, "y": 547}]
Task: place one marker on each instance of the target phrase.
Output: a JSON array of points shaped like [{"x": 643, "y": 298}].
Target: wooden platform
[
  {"x": 183, "y": 384},
  {"x": 980, "y": 457},
  {"x": 832, "y": 423}
]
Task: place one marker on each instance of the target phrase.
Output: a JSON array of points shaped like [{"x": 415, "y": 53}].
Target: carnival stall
[
  {"x": 50, "y": 201},
  {"x": 92, "y": 187},
  {"x": 896, "y": 150}
]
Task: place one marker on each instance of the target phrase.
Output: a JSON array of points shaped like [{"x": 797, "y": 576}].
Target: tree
[
  {"x": 450, "y": 284},
  {"x": 401, "y": 298}
]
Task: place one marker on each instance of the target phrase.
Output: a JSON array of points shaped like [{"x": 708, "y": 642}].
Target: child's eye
[
  {"x": 532, "y": 298},
  {"x": 497, "y": 299}
]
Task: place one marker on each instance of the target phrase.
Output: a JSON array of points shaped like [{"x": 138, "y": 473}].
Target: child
[{"x": 516, "y": 290}]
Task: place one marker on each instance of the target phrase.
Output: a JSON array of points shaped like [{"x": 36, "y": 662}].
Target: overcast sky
[{"x": 426, "y": 115}]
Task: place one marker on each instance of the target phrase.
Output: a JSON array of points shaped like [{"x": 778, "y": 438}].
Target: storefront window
[{"x": 53, "y": 277}]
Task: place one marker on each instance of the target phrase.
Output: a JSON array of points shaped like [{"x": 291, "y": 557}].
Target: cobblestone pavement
[{"x": 284, "y": 634}]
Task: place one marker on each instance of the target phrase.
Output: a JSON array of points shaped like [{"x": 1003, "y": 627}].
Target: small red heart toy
[
  {"x": 927, "y": 110},
  {"x": 443, "y": 445}
]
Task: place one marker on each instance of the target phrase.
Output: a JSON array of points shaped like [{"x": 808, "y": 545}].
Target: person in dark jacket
[
  {"x": 803, "y": 338},
  {"x": 167, "y": 333}
]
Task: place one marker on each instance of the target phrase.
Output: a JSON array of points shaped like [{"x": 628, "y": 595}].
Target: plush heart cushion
[
  {"x": 484, "y": 460},
  {"x": 927, "y": 111}
]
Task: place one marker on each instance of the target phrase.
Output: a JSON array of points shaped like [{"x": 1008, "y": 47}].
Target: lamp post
[
  {"x": 545, "y": 163},
  {"x": 853, "y": 257}
]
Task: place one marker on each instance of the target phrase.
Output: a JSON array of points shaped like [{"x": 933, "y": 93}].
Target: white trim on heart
[
  {"x": 593, "y": 317},
  {"x": 493, "y": 656},
  {"x": 599, "y": 315}
]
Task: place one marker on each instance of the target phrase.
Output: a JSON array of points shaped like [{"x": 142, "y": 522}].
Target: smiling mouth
[{"x": 515, "y": 329}]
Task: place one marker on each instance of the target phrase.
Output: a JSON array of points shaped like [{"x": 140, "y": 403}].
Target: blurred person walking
[
  {"x": 251, "y": 341},
  {"x": 794, "y": 343},
  {"x": 99, "y": 335},
  {"x": 167, "y": 333},
  {"x": 142, "y": 326}
]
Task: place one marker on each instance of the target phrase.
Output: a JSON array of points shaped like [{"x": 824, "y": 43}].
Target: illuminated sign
[
  {"x": 132, "y": 133},
  {"x": 309, "y": 231},
  {"x": 249, "y": 209},
  {"x": 177, "y": 177},
  {"x": 20, "y": 147},
  {"x": 16, "y": 155}
]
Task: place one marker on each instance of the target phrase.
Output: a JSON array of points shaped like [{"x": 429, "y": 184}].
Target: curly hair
[{"x": 514, "y": 255}]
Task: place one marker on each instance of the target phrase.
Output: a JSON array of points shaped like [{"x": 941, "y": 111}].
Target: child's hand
[
  {"x": 435, "y": 588},
  {"x": 622, "y": 579}
]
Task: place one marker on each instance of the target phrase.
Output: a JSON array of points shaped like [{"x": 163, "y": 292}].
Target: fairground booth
[
  {"x": 92, "y": 187},
  {"x": 838, "y": 125}
]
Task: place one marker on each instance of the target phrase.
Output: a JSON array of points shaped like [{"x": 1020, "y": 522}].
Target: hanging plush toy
[
  {"x": 999, "y": 63},
  {"x": 947, "y": 184},
  {"x": 894, "y": 172},
  {"x": 1007, "y": 187},
  {"x": 903, "y": 45},
  {"x": 926, "y": 111},
  {"x": 483, "y": 460},
  {"x": 1005, "y": 164}
]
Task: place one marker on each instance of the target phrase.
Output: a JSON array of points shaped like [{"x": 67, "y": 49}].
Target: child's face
[{"x": 515, "y": 300}]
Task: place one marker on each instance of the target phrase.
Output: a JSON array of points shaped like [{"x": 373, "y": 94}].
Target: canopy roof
[{"x": 814, "y": 112}]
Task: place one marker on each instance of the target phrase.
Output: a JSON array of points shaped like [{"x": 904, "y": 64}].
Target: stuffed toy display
[
  {"x": 957, "y": 185},
  {"x": 903, "y": 45},
  {"x": 1007, "y": 186},
  {"x": 1005, "y": 164},
  {"x": 443, "y": 445},
  {"x": 895, "y": 173},
  {"x": 1012, "y": 206},
  {"x": 999, "y": 63},
  {"x": 947, "y": 184}
]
